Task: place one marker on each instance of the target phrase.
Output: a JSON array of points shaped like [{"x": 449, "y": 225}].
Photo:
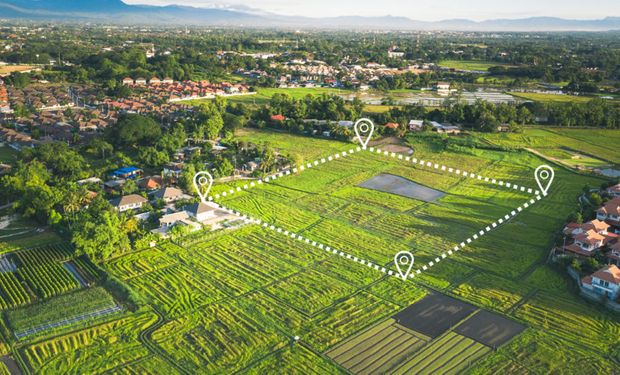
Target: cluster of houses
[
  {"x": 194, "y": 215},
  {"x": 600, "y": 236},
  {"x": 418, "y": 126},
  {"x": 168, "y": 90},
  {"x": 4, "y": 99},
  {"x": 41, "y": 97}
]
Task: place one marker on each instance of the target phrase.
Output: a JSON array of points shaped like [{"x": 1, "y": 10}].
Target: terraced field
[
  {"x": 251, "y": 300},
  {"x": 451, "y": 354},
  {"x": 379, "y": 349}
]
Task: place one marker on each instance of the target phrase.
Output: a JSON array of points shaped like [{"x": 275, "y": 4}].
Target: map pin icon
[
  {"x": 203, "y": 181},
  {"x": 364, "y": 128},
  {"x": 404, "y": 263},
  {"x": 544, "y": 177}
]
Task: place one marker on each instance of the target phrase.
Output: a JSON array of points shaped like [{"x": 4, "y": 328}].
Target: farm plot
[
  {"x": 345, "y": 318},
  {"x": 492, "y": 291},
  {"x": 379, "y": 349},
  {"x": 177, "y": 289},
  {"x": 42, "y": 269},
  {"x": 310, "y": 291},
  {"x": 573, "y": 319},
  {"x": 434, "y": 314},
  {"x": 152, "y": 365},
  {"x": 139, "y": 263},
  {"x": 489, "y": 329},
  {"x": 450, "y": 354},
  {"x": 59, "y": 308},
  {"x": 219, "y": 338},
  {"x": 12, "y": 292},
  {"x": 538, "y": 352},
  {"x": 294, "y": 359},
  {"x": 93, "y": 350}
]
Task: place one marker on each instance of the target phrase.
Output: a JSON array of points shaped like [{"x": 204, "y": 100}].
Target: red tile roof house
[
  {"x": 610, "y": 212},
  {"x": 614, "y": 191},
  {"x": 605, "y": 282},
  {"x": 391, "y": 125},
  {"x": 278, "y": 118},
  {"x": 614, "y": 253},
  {"x": 588, "y": 238}
]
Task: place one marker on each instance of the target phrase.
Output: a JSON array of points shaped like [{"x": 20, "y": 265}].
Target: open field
[
  {"x": 309, "y": 148},
  {"x": 468, "y": 64},
  {"x": 8, "y": 69},
  {"x": 551, "y": 98},
  {"x": 594, "y": 145},
  {"x": 263, "y": 95},
  {"x": 7, "y": 154}
]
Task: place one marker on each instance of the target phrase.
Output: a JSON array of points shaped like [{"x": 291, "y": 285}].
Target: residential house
[
  {"x": 574, "y": 229},
  {"x": 416, "y": 125},
  {"x": 150, "y": 183},
  {"x": 127, "y": 173},
  {"x": 613, "y": 191},
  {"x": 391, "y": 125},
  {"x": 605, "y": 282},
  {"x": 173, "y": 170},
  {"x": 141, "y": 81},
  {"x": 613, "y": 255},
  {"x": 128, "y": 81},
  {"x": 250, "y": 166},
  {"x": 610, "y": 211},
  {"x": 170, "y": 220},
  {"x": 201, "y": 211},
  {"x": 443, "y": 88},
  {"x": 155, "y": 81},
  {"x": 128, "y": 202},
  {"x": 278, "y": 118},
  {"x": 503, "y": 128},
  {"x": 167, "y": 81},
  {"x": 168, "y": 194}
]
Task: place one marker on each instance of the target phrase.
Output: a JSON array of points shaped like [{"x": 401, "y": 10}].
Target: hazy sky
[{"x": 423, "y": 10}]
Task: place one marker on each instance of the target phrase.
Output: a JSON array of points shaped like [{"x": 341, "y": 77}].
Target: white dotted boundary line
[
  {"x": 458, "y": 172},
  {"x": 287, "y": 172},
  {"x": 489, "y": 228},
  {"x": 476, "y": 236}
]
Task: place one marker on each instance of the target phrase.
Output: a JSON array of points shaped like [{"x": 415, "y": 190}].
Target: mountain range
[{"x": 116, "y": 11}]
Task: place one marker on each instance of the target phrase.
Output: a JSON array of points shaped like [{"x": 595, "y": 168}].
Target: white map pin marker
[
  {"x": 404, "y": 263},
  {"x": 202, "y": 179},
  {"x": 544, "y": 177},
  {"x": 364, "y": 128}
]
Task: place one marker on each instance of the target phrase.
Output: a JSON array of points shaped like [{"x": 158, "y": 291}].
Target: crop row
[
  {"x": 177, "y": 289},
  {"x": 450, "y": 354},
  {"x": 48, "y": 279},
  {"x": 90, "y": 350},
  {"x": 13, "y": 293},
  {"x": 219, "y": 338}
]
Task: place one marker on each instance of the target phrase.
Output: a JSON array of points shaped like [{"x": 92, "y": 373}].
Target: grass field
[
  {"x": 595, "y": 147},
  {"x": 7, "y": 69},
  {"x": 263, "y": 94},
  {"x": 7, "y": 154},
  {"x": 468, "y": 64},
  {"x": 551, "y": 98}
]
